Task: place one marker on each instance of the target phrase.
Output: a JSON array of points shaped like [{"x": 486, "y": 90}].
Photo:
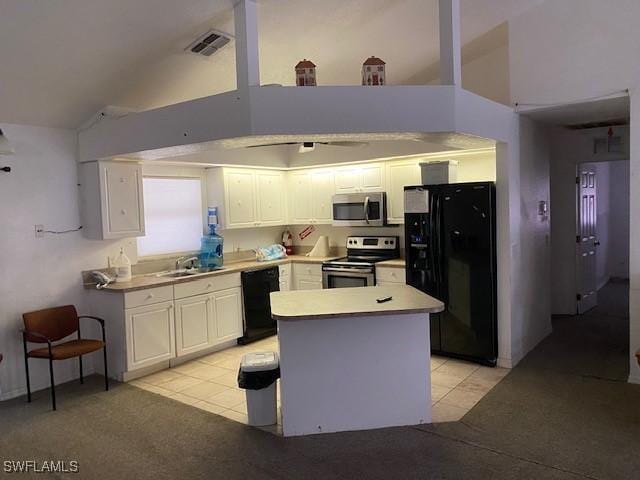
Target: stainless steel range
[{"x": 357, "y": 269}]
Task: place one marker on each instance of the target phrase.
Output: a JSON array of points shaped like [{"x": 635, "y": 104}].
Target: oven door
[
  {"x": 346, "y": 278},
  {"x": 359, "y": 210}
]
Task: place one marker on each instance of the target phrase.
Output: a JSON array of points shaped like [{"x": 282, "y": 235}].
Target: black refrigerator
[{"x": 450, "y": 249}]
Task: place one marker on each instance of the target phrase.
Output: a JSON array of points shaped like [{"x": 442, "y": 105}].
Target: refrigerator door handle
[{"x": 432, "y": 239}]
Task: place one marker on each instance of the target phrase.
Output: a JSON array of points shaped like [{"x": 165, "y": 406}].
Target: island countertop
[{"x": 351, "y": 302}]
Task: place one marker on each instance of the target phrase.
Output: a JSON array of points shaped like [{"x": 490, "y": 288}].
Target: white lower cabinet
[
  {"x": 204, "y": 321},
  {"x": 147, "y": 329},
  {"x": 308, "y": 283},
  {"x": 284, "y": 275},
  {"x": 389, "y": 276},
  {"x": 149, "y": 334},
  {"x": 307, "y": 276},
  {"x": 227, "y": 309},
  {"x": 194, "y": 324}
]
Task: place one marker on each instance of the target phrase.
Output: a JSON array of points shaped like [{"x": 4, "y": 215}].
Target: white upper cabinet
[
  {"x": 322, "y": 189},
  {"x": 399, "y": 175},
  {"x": 300, "y": 197},
  {"x": 112, "y": 204},
  {"x": 310, "y": 196},
  {"x": 270, "y": 197},
  {"x": 372, "y": 178},
  {"x": 360, "y": 178},
  {"x": 246, "y": 197},
  {"x": 240, "y": 198}
]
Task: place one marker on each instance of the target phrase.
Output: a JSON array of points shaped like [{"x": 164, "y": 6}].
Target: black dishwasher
[{"x": 256, "y": 287}]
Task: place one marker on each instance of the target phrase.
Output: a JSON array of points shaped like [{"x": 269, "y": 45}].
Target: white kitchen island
[{"x": 350, "y": 363}]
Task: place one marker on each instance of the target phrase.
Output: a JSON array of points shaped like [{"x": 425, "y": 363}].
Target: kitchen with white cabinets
[{"x": 181, "y": 146}]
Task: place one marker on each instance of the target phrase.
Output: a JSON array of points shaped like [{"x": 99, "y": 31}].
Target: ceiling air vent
[{"x": 208, "y": 44}]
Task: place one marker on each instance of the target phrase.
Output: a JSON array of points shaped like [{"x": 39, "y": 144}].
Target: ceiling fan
[{"x": 306, "y": 147}]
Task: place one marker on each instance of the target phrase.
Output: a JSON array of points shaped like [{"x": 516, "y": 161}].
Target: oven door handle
[
  {"x": 366, "y": 209},
  {"x": 346, "y": 271}
]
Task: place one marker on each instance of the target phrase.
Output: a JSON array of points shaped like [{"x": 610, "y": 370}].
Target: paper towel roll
[{"x": 321, "y": 248}]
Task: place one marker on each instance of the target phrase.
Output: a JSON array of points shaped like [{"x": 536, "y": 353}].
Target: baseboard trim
[
  {"x": 634, "y": 379},
  {"x": 19, "y": 392}
]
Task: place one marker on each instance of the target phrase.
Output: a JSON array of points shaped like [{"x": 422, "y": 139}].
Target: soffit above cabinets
[{"x": 443, "y": 115}]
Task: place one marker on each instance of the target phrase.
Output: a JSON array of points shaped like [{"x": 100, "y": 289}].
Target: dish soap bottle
[{"x": 122, "y": 265}]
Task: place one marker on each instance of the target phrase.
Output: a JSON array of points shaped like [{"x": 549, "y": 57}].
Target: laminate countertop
[
  {"x": 395, "y": 263},
  {"x": 351, "y": 302},
  {"x": 151, "y": 280}
]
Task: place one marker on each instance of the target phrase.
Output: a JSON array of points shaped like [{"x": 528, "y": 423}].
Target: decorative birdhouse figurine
[
  {"x": 305, "y": 73},
  {"x": 373, "y": 72}
]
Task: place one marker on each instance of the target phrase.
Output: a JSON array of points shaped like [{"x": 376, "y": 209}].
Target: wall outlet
[{"x": 39, "y": 229}]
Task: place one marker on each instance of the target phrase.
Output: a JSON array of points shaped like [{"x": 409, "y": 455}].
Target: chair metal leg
[
  {"x": 81, "y": 376},
  {"x": 26, "y": 369},
  {"x": 53, "y": 387},
  {"x": 106, "y": 376}
]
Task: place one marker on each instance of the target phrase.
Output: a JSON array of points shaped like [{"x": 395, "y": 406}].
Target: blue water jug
[{"x": 211, "y": 248}]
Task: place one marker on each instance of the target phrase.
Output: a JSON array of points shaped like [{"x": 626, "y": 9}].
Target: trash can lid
[{"x": 259, "y": 361}]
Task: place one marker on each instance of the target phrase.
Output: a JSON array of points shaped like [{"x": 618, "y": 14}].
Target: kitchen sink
[{"x": 191, "y": 272}]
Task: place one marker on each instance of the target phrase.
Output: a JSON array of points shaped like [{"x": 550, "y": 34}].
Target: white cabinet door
[
  {"x": 347, "y": 180},
  {"x": 194, "y": 324},
  {"x": 122, "y": 200},
  {"x": 240, "y": 198},
  {"x": 150, "y": 335},
  {"x": 300, "y": 197},
  {"x": 360, "y": 178},
  {"x": 270, "y": 198},
  {"x": 372, "y": 178},
  {"x": 323, "y": 188},
  {"x": 285, "y": 286},
  {"x": 227, "y": 311},
  {"x": 399, "y": 175},
  {"x": 308, "y": 283}
]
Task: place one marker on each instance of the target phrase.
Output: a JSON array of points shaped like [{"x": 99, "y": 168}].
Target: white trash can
[{"x": 258, "y": 375}]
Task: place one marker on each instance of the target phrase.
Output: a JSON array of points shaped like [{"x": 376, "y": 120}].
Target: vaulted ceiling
[{"x": 61, "y": 61}]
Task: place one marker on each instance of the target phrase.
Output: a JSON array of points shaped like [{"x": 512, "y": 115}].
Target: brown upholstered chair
[{"x": 54, "y": 324}]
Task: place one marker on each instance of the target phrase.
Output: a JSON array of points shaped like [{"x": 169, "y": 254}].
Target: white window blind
[{"x": 173, "y": 216}]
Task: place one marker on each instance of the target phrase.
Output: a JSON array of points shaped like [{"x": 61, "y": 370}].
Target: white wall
[
  {"x": 488, "y": 75},
  {"x": 569, "y": 50},
  {"x": 577, "y": 49},
  {"x": 534, "y": 312},
  {"x": 619, "y": 220},
  {"x": 634, "y": 237},
  {"x": 568, "y": 148},
  {"x": 43, "y": 272}
]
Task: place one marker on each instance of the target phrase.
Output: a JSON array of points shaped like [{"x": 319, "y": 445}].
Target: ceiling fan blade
[
  {"x": 272, "y": 144},
  {"x": 346, "y": 144}
]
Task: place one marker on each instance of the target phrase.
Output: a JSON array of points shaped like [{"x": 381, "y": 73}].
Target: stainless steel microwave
[{"x": 360, "y": 209}]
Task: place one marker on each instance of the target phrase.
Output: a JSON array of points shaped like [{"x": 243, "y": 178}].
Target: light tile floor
[{"x": 210, "y": 383}]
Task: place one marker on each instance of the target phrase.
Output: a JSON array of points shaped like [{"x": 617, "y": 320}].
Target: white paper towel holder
[{"x": 321, "y": 248}]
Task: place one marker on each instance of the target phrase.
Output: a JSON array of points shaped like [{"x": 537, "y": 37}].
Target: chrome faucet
[{"x": 183, "y": 260}]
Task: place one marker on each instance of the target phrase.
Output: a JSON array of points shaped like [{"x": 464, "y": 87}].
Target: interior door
[
  {"x": 586, "y": 239},
  {"x": 465, "y": 270}
]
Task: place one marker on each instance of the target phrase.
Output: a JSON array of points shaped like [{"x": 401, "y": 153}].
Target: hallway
[
  {"x": 595, "y": 343},
  {"x": 567, "y": 404}
]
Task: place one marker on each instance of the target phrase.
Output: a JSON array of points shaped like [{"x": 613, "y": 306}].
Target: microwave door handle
[{"x": 366, "y": 209}]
